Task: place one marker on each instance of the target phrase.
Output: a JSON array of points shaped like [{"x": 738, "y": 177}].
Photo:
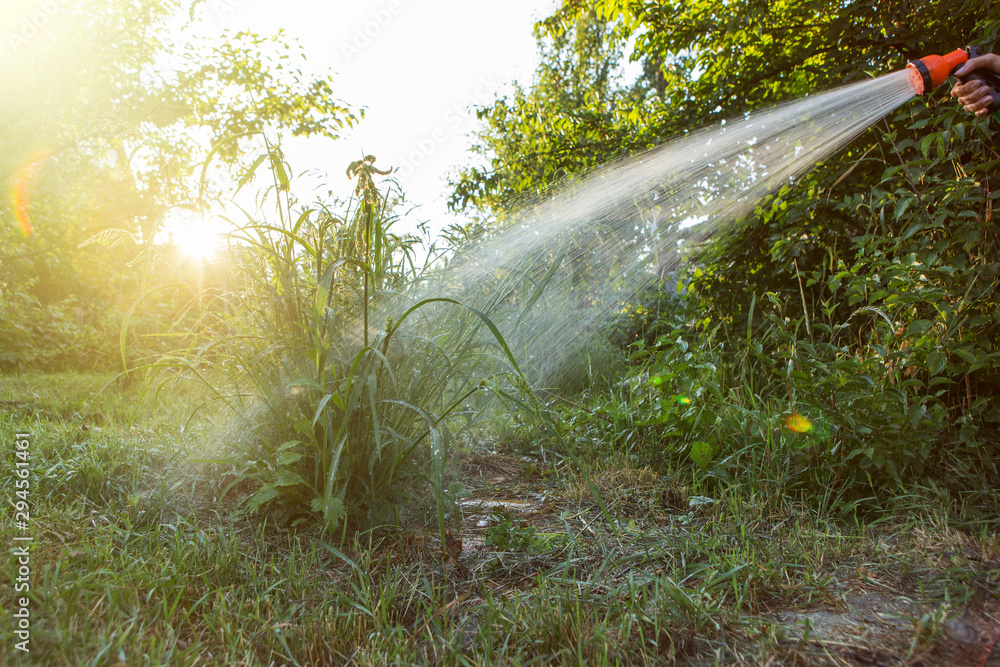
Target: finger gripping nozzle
[{"x": 990, "y": 79}]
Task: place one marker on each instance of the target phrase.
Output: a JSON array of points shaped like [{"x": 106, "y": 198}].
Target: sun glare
[{"x": 196, "y": 237}]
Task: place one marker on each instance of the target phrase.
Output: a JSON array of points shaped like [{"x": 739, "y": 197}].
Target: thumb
[
  {"x": 970, "y": 65},
  {"x": 966, "y": 67}
]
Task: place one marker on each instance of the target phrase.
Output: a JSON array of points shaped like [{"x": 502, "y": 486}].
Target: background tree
[
  {"x": 574, "y": 116},
  {"x": 114, "y": 113}
]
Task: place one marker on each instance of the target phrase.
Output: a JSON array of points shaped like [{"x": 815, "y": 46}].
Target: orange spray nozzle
[{"x": 930, "y": 72}]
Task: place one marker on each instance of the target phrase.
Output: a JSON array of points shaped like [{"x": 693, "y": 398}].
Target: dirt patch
[
  {"x": 898, "y": 617},
  {"x": 880, "y": 628}
]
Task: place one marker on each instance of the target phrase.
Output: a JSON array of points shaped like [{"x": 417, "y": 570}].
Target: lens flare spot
[
  {"x": 21, "y": 188},
  {"x": 798, "y": 423}
]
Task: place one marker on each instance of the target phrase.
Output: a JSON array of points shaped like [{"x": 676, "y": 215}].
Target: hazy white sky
[{"x": 417, "y": 66}]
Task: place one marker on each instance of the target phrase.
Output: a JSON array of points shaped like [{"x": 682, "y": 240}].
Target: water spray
[
  {"x": 929, "y": 72},
  {"x": 694, "y": 186}
]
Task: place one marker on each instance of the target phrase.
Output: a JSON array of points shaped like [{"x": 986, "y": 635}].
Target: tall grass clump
[{"x": 339, "y": 371}]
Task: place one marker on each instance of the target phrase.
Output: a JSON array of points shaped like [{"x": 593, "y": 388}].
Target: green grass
[{"x": 135, "y": 563}]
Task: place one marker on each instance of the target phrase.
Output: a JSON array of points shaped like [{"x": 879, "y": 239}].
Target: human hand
[{"x": 977, "y": 95}]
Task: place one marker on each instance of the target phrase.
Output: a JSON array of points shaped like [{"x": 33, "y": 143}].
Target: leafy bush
[
  {"x": 861, "y": 298},
  {"x": 33, "y": 336}
]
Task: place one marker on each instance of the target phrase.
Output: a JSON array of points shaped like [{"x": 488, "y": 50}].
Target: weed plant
[{"x": 342, "y": 372}]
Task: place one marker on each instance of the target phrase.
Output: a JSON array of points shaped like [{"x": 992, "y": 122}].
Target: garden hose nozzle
[{"x": 929, "y": 72}]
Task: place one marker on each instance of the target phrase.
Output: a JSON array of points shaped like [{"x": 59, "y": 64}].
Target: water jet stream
[{"x": 560, "y": 270}]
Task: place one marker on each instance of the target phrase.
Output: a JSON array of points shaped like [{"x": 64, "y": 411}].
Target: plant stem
[
  {"x": 368, "y": 227},
  {"x": 802, "y": 293}
]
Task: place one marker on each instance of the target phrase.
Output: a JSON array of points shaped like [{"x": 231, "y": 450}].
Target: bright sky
[{"x": 417, "y": 66}]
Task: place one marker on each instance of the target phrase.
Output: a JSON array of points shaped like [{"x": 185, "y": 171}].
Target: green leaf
[
  {"x": 925, "y": 143},
  {"x": 109, "y": 237},
  {"x": 249, "y": 173},
  {"x": 278, "y": 168},
  {"x": 264, "y": 494},
  {"x": 288, "y": 478},
  {"x": 288, "y": 445},
  {"x": 966, "y": 355},
  {"x": 918, "y": 326},
  {"x": 702, "y": 453},
  {"x": 936, "y": 362},
  {"x": 287, "y": 458},
  {"x": 322, "y": 404},
  {"x": 901, "y": 207}
]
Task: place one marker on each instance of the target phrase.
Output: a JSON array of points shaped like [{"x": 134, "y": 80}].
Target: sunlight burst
[{"x": 196, "y": 237}]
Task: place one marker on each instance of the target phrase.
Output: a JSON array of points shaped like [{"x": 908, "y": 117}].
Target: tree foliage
[
  {"x": 574, "y": 116},
  {"x": 870, "y": 287},
  {"x": 109, "y": 115}
]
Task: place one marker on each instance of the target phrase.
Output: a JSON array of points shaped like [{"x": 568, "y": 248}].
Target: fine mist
[{"x": 556, "y": 275}]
